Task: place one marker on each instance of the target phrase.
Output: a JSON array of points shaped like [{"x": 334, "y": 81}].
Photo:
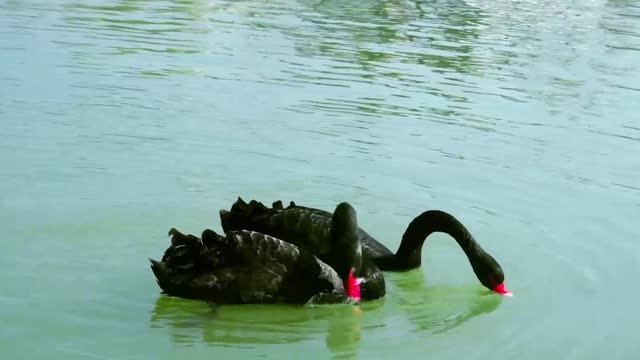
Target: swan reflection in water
[
  {"x": 244, "y": 326},
  {"x": 431, "y": 309},
  {"x": 438, "y": 309}
]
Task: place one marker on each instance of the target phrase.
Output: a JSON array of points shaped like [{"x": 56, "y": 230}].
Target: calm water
[{"x": 121, "y": 119}]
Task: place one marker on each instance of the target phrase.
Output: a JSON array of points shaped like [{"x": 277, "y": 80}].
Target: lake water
[{"x": 121, "y": 119}]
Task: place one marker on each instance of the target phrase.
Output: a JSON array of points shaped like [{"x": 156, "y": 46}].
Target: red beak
[
  {"x": 352, "y": 286},
  {"x": 500, "y": 289}
]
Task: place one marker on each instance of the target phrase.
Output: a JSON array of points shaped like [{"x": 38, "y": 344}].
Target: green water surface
[{"x": 122, "y": 119}]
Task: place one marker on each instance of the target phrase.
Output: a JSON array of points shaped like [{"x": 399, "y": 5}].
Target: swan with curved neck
[{"x": 308, "y": 227}]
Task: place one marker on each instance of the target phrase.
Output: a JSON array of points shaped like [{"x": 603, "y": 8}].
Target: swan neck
[{"x": 410, "y": 251}]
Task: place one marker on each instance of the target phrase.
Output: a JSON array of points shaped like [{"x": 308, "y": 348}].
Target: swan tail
[
  {"x": 190, "y": 253},
  {"x": 183, "y": 248},
  {"x": 160, "y": 272},
  {"x": 185, "y": 267}
]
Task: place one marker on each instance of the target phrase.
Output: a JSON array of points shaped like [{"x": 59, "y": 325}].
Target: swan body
[
  {"x": 244, "y": 266},
  {"x": 306, "y": 228}
]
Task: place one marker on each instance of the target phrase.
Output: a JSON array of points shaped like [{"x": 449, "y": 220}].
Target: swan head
[{"x": 490, "y": 274}]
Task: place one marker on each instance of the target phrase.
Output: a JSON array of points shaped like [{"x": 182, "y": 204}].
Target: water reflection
[
  {"x": 240, "y": 326},
  {"x": 341, "y": 24},
  {"x": 419, "y": 53},
  {"x": 449, "y": 62},
  {"x": 434, "y": 310},
  {"x": 437, "y": 309},
  {"x": 424, "y": 54},
  {"x": 127, "y": 27}
]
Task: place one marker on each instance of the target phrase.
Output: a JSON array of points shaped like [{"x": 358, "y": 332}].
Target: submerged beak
[{"x": 500, "y": 289}]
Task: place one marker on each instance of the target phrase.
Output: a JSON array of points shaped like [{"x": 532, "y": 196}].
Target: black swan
[
  {"x": 305, "y": 230},
  {"x": 308, "y": 227},
  {"x": 244, "y": 266}
]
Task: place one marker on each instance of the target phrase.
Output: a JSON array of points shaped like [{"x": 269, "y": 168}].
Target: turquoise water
[{"x": 121, "y": 119}]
